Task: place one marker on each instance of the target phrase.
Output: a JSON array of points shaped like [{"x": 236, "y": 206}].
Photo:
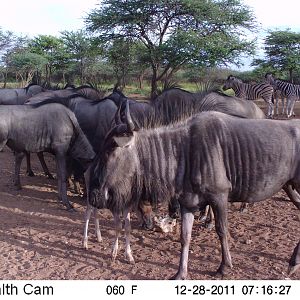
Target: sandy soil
[{"x": 41, "y": 240}]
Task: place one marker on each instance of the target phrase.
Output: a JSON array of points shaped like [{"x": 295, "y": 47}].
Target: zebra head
[
  {"x": 270, "y": 78},
  {"x": 230, "y": 82}
]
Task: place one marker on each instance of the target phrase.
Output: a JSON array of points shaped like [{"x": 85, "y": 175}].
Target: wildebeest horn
[
  {"x": 118, "y": 120},
  {"x": 129, "y": 121}
]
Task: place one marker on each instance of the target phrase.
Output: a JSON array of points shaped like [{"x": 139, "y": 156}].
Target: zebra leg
[
  {"x": 276, "y": 105},
  {"x": 290, "y": 106},
  {"x": 283, "y": 102},
  {"x": 270, "y": 109}
]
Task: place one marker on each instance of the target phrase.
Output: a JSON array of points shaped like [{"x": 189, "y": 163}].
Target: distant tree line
[{"x": 157, "y": 41}]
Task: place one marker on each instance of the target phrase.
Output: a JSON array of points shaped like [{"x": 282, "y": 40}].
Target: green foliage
[
  {"x": 282, "y": 51},
  {"x": 176, "y": 32},
  {"x": 27, "y": 61}
]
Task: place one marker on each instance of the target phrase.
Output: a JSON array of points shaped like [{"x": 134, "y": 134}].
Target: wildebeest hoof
[
  {"x": 202, "y": 219},
  {"x": 18, "y": 187},
  {"x": 209, "y": 226},
  {"x": 178, "y": 276},
  {"x": 30, "y": 173},
  {"x": 85, "y": 244},
  {"x": 293, "y": 269},
  {"x": 71, "y": 209},
  {"x": 222, "y": 271}
]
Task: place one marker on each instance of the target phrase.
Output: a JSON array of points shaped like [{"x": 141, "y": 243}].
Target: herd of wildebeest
[{"x": 184, "y": 150}]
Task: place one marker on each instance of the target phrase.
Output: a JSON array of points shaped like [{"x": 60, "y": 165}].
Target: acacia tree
[
  {"x": 176, "y": 32},
  {"x": 81, "y": 49},
  {"x": 52, "y": 48},
  {"x": 25, "y": 65},
  {"x": 9, "y": 43},
  {"x": 282, "y": 49}
]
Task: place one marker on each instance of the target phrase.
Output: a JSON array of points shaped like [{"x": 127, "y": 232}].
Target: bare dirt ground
[{"x": 41, "y": 240}]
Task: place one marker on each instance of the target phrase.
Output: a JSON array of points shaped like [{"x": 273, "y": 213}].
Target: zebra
[
  {"x": 289, "y": 90},
  {"x": 279, "y": 95},
  {"x": 251, "y": 91}
]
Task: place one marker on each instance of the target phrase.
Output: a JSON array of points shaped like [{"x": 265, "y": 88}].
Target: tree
[
  {"x": 120, "y": 56},
  {"x": 81, "y": 48},
  {"x": 177, "y": 32},
  {"x": 282, "y": 49},
  {"x": 26, "y": 64},
  {"x": 52, "y": 49},
  {"x": 6, "y": 39},
  {"x": 9, "y": 43}
]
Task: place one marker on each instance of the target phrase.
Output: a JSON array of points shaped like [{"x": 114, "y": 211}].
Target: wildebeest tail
[{"x": 81, "y": 149}]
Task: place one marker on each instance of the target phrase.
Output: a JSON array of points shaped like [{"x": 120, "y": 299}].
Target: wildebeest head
[{"x": 114, "y": 170}]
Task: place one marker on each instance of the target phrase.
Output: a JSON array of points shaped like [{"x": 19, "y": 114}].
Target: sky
[
  {"x": 47, "y": 17},
  {"x": 34, "y": 17}
]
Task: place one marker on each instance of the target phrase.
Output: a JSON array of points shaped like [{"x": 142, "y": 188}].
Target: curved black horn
[
  {"x": 118, "y": 120},
  {"x": 129, "y": 121}
]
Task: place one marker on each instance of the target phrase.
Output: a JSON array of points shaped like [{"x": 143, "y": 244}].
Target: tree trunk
[
  {"x": 5, "y": 78},
  {"x": 141, "y": 79},
  {"x": 291, "y": 75},
  {"x": 154, "y": 91}
]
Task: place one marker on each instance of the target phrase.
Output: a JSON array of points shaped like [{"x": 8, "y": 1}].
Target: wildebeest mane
[
  {"x": 62, "y": 100},
  {"x": 26, "y": 88}
]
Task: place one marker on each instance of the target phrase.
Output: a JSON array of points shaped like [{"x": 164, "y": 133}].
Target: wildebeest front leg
[
  {"x": 219, "y": 206},
  {"x": 97, "y": 226},
  {"x": 118, "y": 229},
  {"x": 186, "y": 233},
  {"x": 127, "y": 228},
  {"x": 18, "y": 160},
  {"x": 62, "y": 180},
  {"x": 88, "y": 213},
  {"x": 294, "y": 263},
  {"x": 44, "y": 166}
]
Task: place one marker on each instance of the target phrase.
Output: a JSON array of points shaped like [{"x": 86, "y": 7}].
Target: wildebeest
[
  {"x": 51, "y": 128},
  {"x": 96, "y": 118},
  {"x": 175, "y": 103},
  {"x": 82, "y": 92},
  {"x": 19, "y": 95},
  {"x": 209, "y": 159}
]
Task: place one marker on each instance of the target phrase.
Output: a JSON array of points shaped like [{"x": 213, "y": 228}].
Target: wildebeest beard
[
  {"x": 156, "y": 163},
  {"x": 109, "y": 190}
]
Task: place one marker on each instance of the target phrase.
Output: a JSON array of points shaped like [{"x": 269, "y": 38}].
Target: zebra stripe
[{"x": 251, "y": 91}]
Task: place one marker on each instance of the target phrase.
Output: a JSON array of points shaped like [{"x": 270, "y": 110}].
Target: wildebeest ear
[{"x": 123, "y": 141}]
